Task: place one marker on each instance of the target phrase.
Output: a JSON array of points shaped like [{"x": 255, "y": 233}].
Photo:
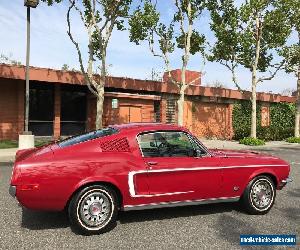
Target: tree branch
[
  {"x": 272, "y": 75},
  {"x": 78, "y": 10},
  {"x": 232, "y": 68},
  {"x": 87, "y": 79},
  {"x": 181, "y": 20},
  {"x": 168, "y": 68}
]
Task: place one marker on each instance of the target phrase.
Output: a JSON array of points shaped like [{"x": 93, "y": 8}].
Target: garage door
[{"x": 130, "y": 114}]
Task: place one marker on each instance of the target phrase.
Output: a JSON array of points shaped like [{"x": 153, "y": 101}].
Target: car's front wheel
[
  {"x": 259, "y": 195},
  {"x": 93, "y": 210}
]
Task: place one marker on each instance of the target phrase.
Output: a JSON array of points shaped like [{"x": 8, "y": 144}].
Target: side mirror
[
  {"x": 152, "y": 144},
  {"x": 198, "y": 153}
]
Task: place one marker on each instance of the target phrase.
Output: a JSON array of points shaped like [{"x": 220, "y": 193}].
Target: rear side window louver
[{"x": 116, "y": 145}]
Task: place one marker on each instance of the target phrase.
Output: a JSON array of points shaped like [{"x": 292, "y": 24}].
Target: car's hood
[{"x": 239, "y": 153}]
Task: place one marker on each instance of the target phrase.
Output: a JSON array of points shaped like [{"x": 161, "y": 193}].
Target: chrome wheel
[
  {"x": 262, "y": 194},
  {"x": 95, "y": 209}
]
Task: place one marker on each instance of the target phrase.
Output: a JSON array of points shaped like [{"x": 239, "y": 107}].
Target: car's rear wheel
[
  {"x": 259, "y": 195},
  {"x": 93, "y": 210}
]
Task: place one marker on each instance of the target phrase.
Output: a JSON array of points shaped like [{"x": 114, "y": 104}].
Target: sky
[{"x": 51, "y": 47}]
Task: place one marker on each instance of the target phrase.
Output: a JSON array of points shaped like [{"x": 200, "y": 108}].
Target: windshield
[{"x": 86, "y": 137}]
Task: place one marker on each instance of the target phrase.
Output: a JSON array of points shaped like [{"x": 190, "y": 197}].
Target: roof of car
[{"x": 147, "y": 126}]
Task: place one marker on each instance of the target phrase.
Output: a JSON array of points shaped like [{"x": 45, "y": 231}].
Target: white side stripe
[{"x": 133, "y": 173}]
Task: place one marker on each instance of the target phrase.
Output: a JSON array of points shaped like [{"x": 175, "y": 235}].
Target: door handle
[{"x": 151, "y": 163}]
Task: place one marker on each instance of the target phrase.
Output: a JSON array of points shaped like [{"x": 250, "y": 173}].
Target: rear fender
[{"x": 96, "y": 179}]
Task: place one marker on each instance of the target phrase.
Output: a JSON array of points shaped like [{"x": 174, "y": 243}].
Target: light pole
[
  {"x": 27, "y": 140},
  {"x": 29, "y": 4}
]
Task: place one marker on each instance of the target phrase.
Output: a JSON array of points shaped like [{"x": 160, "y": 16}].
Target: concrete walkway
[
  {"x": 8, "y": 155},
  {"x": 220, "y": 144}
]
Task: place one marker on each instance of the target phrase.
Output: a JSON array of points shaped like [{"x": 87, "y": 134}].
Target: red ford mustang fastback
[{"x": 140, "y": 166}]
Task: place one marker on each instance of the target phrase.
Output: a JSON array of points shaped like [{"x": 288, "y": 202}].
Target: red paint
[{"x": 52, "y": 174}]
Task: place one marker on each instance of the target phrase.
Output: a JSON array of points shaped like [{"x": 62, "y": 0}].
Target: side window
[
  {"x": 148, "y": 145},
  {"x": 167, "y": 144}
]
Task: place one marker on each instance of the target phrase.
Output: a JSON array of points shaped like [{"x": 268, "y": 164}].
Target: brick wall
[
  {"x": 11, "y": 108},
  {"x": 211, "y": 120},
  {"x": 191, "y": 77},
  {"x": 57, "y": 111},
  {"x": 205, "y": 119}
]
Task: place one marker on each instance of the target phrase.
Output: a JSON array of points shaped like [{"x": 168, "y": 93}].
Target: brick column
[
  {"x": 57, "y": 108},
  {"x": 21, "y": 102},
  {"x": 163, "y": 107}
]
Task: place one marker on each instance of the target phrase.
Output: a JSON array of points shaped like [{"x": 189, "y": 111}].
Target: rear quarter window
[{"x": 87, "y": 137}]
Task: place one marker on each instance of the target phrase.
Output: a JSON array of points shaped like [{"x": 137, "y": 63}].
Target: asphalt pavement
[{"x": 216, "y": 226}]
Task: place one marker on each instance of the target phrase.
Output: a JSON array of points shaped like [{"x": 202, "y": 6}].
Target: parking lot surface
[{"x": 216, "y": 226}]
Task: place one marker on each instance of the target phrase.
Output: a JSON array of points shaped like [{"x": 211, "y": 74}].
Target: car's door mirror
[{"x": 198, "y": 153}]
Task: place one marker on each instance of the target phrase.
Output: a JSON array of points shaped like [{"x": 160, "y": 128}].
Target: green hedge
[
  {"x": 252, "y": 141},
  {"x": 282, "y": 116},
  {"x": 293, "y": 140}
]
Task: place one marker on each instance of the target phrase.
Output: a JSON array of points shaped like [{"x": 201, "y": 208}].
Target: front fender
[{"x": 264, "y": 171}]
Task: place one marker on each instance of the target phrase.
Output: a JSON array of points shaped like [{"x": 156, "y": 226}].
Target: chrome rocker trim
[{"x": 180, "y": 203}]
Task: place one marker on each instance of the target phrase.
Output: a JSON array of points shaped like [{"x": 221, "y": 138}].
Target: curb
[{"x": 6, "y": 164}]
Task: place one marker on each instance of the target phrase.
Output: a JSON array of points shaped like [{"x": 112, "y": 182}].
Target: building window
[
  {"x": 41, "y": 109},
  {"x": 73, "y": 110},
  {"x": 157, "y": 111},
  {"x": 114, "y": 103},
  {"x": 170, "y": 111}
]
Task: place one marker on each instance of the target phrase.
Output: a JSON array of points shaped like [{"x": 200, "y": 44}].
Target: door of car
[{"x": 179, "y": 167}]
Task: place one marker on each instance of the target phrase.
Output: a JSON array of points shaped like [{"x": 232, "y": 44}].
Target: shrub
[
  {"x": 274, "y": 133},
  {"x": 293, "y": 139},
  {"x": 252, "y": 141},
  {"x": 8, "y": 144},
  {"x": 282, "y": 117}
]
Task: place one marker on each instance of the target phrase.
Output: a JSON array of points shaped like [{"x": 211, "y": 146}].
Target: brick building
[{"x": 60, "y": 103}]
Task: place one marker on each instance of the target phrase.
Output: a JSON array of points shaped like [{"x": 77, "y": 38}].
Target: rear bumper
[
  {"x": 284, "y": 182},
  {"x": 12, "y": 191}
]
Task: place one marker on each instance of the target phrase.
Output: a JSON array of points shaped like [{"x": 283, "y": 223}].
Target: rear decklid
[{"x": 31, "y": 152}]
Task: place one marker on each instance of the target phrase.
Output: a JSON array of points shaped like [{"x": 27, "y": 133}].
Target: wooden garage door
[{"x": 130, "y": 114}]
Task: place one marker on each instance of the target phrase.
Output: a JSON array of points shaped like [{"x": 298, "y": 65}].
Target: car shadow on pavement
[
  {"x": 230, "y": 229},
  {"x": 175, "y": 212},
  {"x": 36, "y": 220},
  {"x": 291, "y": 213},
  {"x": 294, "y": 193}
]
